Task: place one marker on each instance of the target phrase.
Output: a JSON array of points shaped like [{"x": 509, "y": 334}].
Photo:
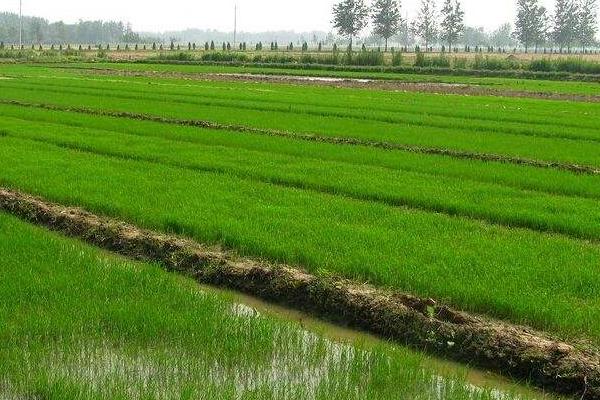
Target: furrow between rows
[
  {"x": 421, "y": 323},
  {"x": 575, "y": 168}
]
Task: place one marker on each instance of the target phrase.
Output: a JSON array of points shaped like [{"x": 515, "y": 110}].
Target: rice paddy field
[{"x": 487, "y": 203}]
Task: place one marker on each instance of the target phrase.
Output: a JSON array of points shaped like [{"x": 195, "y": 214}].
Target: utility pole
[
  {"x": 234, "y": 25},
  {"x": 20, "y": 24}
]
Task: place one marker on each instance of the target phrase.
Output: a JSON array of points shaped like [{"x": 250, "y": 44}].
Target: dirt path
[
  {"x": 422, "y": 323},
  {"x": 379, "y": 84}
]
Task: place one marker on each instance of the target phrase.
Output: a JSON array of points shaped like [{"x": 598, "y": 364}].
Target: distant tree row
[
  {"x": 40, "y": 31},
  {"x": 350, "y": 17},
  {"x": 574, "y": 23}
]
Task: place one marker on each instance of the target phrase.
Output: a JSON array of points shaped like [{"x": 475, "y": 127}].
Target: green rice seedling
[
  {"x": 515, "y": 176},
  {"x": 524, "y": 139},
  {"x": 575, "y": 217},
  {"x": 471, "y": 264},
  {"x": 78, "y": 323}
]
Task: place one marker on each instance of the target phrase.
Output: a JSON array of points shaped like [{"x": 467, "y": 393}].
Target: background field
[{"x": 470, "y": 200}]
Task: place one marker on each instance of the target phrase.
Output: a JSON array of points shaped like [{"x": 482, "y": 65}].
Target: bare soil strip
[
  {"x": 421, "y": 323},
  {"x": 355, "y": 83},
  {"x": 575, "y": 168}
]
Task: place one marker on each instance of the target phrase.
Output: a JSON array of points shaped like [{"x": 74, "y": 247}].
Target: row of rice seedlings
[
  {"x": 575, "y": 217},
  {"x": 499, "y": 118},
  {"x": 79, "y": 323},
  {"x": 540, "y": 148},
  {"x": 514, "y": 176},
  {"x": 473, "y": 265},
  {"x": 502, "y": 84},
  {"x": 470, "y": 107}
]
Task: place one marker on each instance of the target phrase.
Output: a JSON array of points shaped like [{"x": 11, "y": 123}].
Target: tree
[
  {"x": 350, "y": 17},
  {"x": 502, "y": 37},
  {"x": 425, "y": 25},
  {"x": 588, "y": 23},
  {"x": 542, "y": 27},
  {"x": 453, "y": 22},
  {"x": 386, "y": 19},
  {"x": 565, "y": 23},
  {"x": 530, "y": 26}
]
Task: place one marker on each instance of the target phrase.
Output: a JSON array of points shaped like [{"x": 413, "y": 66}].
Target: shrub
[
  {"x": 460, "y": 63},
  {"x": 333, "y": 59},
  {"x": 542, "y": 65},
  {"x": 495, "y": 64},
  {"x": 225, "y": 57},
  {"x": 440, "y": 61},
  {"x": 577, "y": 66},
  {"x": 365, "y": 58},
  {"x": 397, "y": 59}
]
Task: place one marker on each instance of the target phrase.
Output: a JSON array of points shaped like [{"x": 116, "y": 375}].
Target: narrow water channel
[{"x": 500, "y": 386}]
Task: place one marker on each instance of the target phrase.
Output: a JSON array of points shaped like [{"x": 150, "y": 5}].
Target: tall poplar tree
[
  {"x": 453, "y": 22},
  {"x": 425, "y": 26},
  {"x": 530, "y": 26},
  {"x": 565, "y": 23},
  {"x": 386, "y": 19},
  {"x": 350, "y": 17},
  {"x": 587, "y": 26}
]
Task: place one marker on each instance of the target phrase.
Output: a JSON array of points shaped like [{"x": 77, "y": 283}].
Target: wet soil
[
  {"x": 424, "y": 324},
  {"x": 378, "y": 84}
]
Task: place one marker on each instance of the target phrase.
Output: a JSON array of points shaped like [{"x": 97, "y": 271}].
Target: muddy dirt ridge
[
  {"x": 425, "y": 324},
  {"x": 355, "y": 83}
]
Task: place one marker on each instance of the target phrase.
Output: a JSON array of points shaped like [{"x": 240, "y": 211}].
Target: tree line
[
  {"x": 574, "y": 22},
  {"x": 40, "y": 31}
]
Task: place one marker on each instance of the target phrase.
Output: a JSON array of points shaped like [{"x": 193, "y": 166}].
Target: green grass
[
  {"x": 470, "y": 264},
  {"x": 468, "y": 113},
  {"x": 78, "y": 323},
  {"x": 519, "y": 177},
  {"x": 493, "y": 203},
  {"x": 544, "y": 130},
  {"x": 516, "y": 242}
]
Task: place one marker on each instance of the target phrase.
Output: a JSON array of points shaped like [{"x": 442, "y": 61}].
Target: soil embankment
[
  {"x": 422, "y": 323},
  {"x": 463, "y": 89}
]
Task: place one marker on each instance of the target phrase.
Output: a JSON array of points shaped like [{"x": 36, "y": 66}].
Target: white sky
[{"x": 253, "y": 15}]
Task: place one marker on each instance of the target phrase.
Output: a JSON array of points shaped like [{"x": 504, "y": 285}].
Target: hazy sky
[{"x": 253, "y": 15}]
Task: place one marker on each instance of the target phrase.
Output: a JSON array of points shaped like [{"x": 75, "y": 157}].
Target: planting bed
[{"x": 485, "y": 204}]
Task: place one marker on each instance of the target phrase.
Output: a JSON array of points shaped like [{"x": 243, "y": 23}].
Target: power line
[
  {"x": 234, "y": 25},
  {"x": 20, "y": 23}
]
